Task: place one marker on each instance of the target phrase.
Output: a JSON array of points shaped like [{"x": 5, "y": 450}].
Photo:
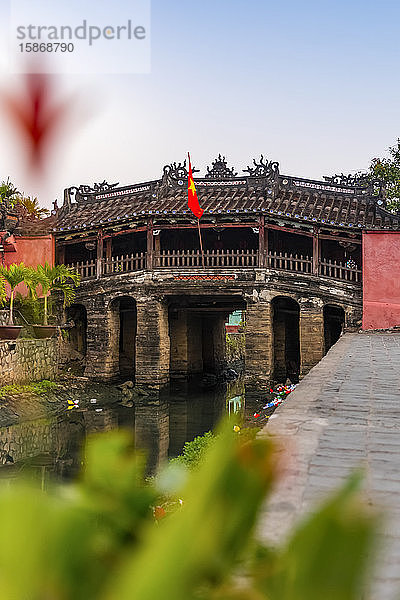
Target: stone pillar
[
  {"x": 311, "y": 333},
  {"x": 152, "y": 342},
  {"x": 102, "y": 358},
  {"x": 219, "y": 336},
  {"x": 214, "y": 343},
  {"x": 194, "y": 344},
  {"x": 259, "y": 345},
  {"x": 179, "y": 344},
  {"x": 279, "y": 329}
]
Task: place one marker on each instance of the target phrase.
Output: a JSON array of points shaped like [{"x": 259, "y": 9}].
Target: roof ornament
[
  {"x": 373, "y": 188},
  {"x": 104, "y": 186},
  {"x": 175, "y": 174},
  {"x": 220, "y": 170},
  {"x": 264, "y": 168},
  {"x": 356, "y": 180}
]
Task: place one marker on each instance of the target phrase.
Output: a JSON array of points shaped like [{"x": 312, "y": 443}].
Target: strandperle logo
[{"x": 84, "y": 31}]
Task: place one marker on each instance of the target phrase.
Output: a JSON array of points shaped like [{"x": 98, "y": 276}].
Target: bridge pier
[
  {"x": 214, "y": 343},
  {"x": 102, "y": 359},
  {"x": 152, "y": 342},
  {"x": 259, "y": 345},
  {"x": 186, "y": 351},
  {"x": 311, "y": 333}
]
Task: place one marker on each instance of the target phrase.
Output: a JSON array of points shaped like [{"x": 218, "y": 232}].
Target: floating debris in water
[
  {"x": 281, "y": 393},
  {"x": 72, "y": 404},
  {"x": 236, "y": 428}
]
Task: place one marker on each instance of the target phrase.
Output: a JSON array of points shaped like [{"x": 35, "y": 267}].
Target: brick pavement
[{"x": 345, "y": 413}]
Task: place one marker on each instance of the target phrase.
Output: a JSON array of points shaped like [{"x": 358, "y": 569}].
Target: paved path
[{"x": 344, "y": 413}]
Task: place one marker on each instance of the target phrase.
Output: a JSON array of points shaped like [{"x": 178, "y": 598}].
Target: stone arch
[
  {"x": 286, "y": 338},
  {"x": 77, "y": 314},
  {"x": 334, "y": 321},
  {"x": 122, "y": 329}
]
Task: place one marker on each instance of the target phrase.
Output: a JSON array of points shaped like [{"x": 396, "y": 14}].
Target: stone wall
[{"x": 26, "y": 360}]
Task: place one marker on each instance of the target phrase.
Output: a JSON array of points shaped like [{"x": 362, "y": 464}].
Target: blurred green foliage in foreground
[{"x": 98, "y": 538}]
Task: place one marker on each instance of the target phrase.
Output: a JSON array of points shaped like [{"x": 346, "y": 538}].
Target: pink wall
[
  {"x": 32, "y": 251},
  {"x": 381, "y": 279}
]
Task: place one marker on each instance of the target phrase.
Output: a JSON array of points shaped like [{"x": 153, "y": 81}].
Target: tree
[
  {"x": 57, "y": 278},
  {"x": 30, "y": 209},
  {"x": 8, "y": 194},
  {"x": 387, "y": 170},
  {"x": 14, "y": 275}
]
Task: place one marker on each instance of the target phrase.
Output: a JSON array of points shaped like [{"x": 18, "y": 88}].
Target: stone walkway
[{"x": 345, "y": 413}]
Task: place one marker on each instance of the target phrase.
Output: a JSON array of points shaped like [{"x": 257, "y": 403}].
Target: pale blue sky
[{"x": 311, "y": 84}]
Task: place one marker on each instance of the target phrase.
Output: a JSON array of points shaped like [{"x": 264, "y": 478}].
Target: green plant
[
  {"x": 193, "y": 452},
  {"x": 39, "y": 388},
  {"x": 97, "y": 539},
  {"x": 30, "y": 209},
  {"x": 9, "y": 194},
  {"x": 13, "y": 275},
  {"x": 58, "y": 278}
]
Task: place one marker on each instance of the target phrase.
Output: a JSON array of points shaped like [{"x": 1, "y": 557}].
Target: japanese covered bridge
[{"x": 284, "y": 249}]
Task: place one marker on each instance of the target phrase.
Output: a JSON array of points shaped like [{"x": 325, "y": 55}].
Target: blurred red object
[
  {"x": 159, "y": 513},
  {"x": 36, "y": 114}
]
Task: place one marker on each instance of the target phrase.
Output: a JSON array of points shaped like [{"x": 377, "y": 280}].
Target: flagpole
[{"x": 201, "y": 242}]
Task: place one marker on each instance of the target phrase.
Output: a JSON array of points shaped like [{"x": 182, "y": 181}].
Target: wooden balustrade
[
  {"x": 288, "y": 262},
  {"x": 338, "y": 270},
  {"x": 125, "y": 264},
  {"x": 212, "y": 258},
  {"x": 240, "y": 259},
  {"x": 86, "y": 269}
]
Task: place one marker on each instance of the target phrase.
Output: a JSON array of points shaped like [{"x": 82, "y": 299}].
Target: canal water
[{"x": 51, "y": 445}]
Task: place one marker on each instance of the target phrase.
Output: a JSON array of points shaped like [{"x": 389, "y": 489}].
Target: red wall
[
  {"x": 32, "y": 251},
  {"x": 381, "y": 279}
]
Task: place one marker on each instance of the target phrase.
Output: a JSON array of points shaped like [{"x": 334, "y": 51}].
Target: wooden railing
[
  {"x": 211, "y": 258},
  {"x": 338, "y": 270},
  {"x": 87, "y": 270},
  {"x": 125, "y": 264},
  {"x": 288, "y": 262},
  {"x": 218, "y": 259}
]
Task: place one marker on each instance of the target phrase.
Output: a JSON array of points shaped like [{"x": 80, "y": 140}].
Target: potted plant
[
  {"x": 57, "y": 278},
  {"x": 13, "y": 275}
]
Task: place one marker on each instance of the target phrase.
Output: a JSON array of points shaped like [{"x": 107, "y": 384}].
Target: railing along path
[{"x": 215, "y": 259}]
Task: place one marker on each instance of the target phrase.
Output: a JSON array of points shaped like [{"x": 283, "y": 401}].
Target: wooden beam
[
  {"x": 157, "y": 249},
  {"x": 316, "y": 251},
  {"x": 261, "y": 242},
  {"x": 61, "y": 255},
  {"x": 99, "y": 256},
  {"x": 108, "y": 249},
  {"x": 150, "y": 245},
  {"x": 339, "y": 238}
]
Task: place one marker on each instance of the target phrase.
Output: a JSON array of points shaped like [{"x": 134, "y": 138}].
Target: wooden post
[
  {"x": 157, "y": 249},
  {"x": 61, "y": 255},
  {"x": 266, "y": 237},
  {"x": 316, "y": 251},
  {"x": 150, "y": 245},
  {"x": 261, "y": 242},
  {"x": 99, "y": 253}
]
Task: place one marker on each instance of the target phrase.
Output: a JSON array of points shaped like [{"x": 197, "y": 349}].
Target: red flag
[{"x": 192, "y": 194}]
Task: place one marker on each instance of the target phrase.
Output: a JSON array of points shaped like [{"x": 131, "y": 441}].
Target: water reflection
[{"x": 161, "y": 426}]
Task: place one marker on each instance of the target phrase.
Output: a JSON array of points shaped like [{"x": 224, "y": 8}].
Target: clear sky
[{"x": 311, "y": 84}]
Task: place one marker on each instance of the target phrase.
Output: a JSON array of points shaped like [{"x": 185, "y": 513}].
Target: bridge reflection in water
[{"x": 51, "y": 448}]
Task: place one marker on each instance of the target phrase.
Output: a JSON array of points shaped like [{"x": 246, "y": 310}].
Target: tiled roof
[
  {"x": 339, "y": 201},
  {"x": 317, "y": 206},
  {"x": 36, "y": 227}
]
